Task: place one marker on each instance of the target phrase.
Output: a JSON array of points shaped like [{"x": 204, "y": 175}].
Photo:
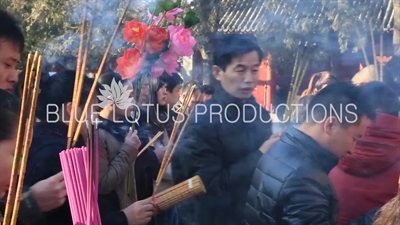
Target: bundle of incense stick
[
  {"x": 178, "y": 193},
  {"x": 172, "y": 144},
  {"x": 24, "y": 136},
  {"x": 299, "y": 71},
  {"x": 81, "y": 174},
  {"x": 80, "y": 75}
]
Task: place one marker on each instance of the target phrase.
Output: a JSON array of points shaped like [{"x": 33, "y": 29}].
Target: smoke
[{"x": 104, "y": 16}]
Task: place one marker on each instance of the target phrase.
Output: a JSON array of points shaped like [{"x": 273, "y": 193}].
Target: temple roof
[{"x": 250, "y": 16}]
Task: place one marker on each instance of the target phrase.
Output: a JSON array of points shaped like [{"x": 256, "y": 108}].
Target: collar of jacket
[
  {"x": 59, "y": 129},
  {"x": 323, "y": 158},
  {"x": 224, "y": 98},
  {"x": 117, "y": 130}
]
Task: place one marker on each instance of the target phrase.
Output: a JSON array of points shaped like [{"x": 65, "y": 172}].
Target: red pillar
[{"x": 264, "y": 90}]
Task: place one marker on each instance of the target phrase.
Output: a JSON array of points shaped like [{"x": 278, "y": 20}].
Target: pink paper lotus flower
[
  {"x": 169, "y": 15},
  {"x": 182, "y": 41},
  {"x": 168, "y": 62}
]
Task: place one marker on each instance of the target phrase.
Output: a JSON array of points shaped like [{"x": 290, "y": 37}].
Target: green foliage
[
  {"x": 191, "y": 19},
  {"x": 53, "y": 26}
]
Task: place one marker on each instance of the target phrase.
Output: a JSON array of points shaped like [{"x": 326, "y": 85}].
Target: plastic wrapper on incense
[{"x": 178, "y": 193}]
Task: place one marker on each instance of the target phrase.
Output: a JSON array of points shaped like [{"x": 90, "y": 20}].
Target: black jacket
[
  {"x": 2, "y": 209},
  {"x": 29, "y": 212},
  {"x": 291, "y": 186},
  {"x": 224, "y": 153},
  {"x": 49, "y": 139}
]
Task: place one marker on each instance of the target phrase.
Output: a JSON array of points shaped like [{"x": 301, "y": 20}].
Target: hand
[
  {"x": 270, "y": 142},
  {"x": 50, "y": 193},
  {"x": 160, "y": 152},
  {"x": 140, "y": 212},
  {"x": 133, "y": 139}
]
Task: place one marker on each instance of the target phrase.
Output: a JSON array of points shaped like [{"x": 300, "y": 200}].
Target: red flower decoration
[
  {"x": 135, "y": 32},
  {"x": 130, "y": 63},
  {"x": 156, "y": 38}
]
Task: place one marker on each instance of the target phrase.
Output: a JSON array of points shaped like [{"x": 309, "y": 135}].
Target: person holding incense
[
  {"x": 42, "y": 196},
  {"x": 224, "y": 154},
  {"x": 368, "y": 178},
  {"x": 50, "y": 138},
  {"x": 50, "y": 135},
  {"x": 297, "y": 166},
  {"x": 160, "y": 119},
  {"x": 119, "y": 145}
]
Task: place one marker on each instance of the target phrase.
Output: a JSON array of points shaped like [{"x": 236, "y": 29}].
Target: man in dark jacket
[
  {"x": 223, "y": 148},
  {"x": 290, "y": 184}
]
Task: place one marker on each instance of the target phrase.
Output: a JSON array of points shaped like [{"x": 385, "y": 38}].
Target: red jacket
[{"x": 368, "y": 178}]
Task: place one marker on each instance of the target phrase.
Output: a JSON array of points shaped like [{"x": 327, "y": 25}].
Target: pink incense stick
[
  {"x": 73, "y": 183},
  {"x": 90, "y": 186},
  {"x": 82, "y": 187},
  {"x": 79, "y": 179},
  {"x": 97, "y": 175},
  {"x": 67, "y": 178}
]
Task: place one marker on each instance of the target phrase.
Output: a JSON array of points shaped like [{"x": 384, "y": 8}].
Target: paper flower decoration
[{"x": 160, "y": 44}]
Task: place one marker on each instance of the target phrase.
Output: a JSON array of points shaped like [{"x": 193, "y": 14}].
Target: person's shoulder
[
  {"x": 287, "y": 159},
  {"x": 202, "y": 114},
  {"x": 279, "y": 156},
  {"x": 308, "y": 176}
]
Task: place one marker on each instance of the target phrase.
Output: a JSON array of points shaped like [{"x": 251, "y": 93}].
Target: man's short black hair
[
  {"x": 343, "y": 98},
  {"x": 171, "y": 81},
  {"x": 382, "y": 97},
  {"x": 229, "y": 46},
  {"x": 10, "y": 30},
  {"x": 207, "y": 89}
]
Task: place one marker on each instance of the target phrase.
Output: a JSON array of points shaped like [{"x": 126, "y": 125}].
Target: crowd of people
[{"x": 319, "y": 170}]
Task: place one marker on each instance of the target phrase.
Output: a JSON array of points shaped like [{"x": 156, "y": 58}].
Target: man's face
[
  {"x": 173, "y": 97},
  {"x": 240, "y": 77},
  {"x": 341, "y": 140},
  {"x": 9, "y": 58}
]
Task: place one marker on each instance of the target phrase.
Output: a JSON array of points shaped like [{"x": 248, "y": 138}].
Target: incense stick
[
  {"x": 178, "y": 193},
  {"x": 174, "y": 131},
  {"x": 381, "y": 54},
  {"x": 371, "y": 29},
  {"x": 82, "y": 191},
  {"x": 28, "y": 137},
  {"x": 364, "y": 52},
  {"x": 78, "y": 75},
  {"x": 97, "y": 75},
  {"x": 24, "y": 136},
  {"x": 168, "y": 154},
  {"x": 150, "y": 143}
]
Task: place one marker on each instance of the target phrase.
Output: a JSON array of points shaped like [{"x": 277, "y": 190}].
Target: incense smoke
[{"x": 105, "y": 15}]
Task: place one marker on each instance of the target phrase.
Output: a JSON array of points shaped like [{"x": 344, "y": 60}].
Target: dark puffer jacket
[{"x": 291, "y": 186}]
